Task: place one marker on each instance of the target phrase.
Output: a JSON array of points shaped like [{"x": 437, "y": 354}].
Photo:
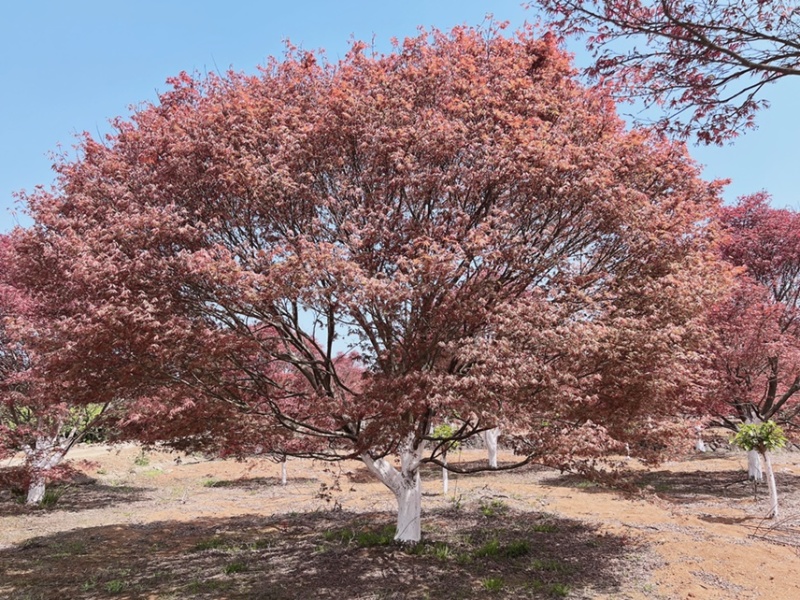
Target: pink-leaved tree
[
  {"x": 328, "y": 260},
  {"x": 756, "y": 359},
  {"x": 46, "y": 404}
]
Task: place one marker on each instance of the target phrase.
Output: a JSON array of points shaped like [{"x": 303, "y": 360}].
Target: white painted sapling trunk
[
  {"x": 490, "y": 437},
  {"x": 773, "y": 490},
  {"x": 699, "y": 445},
  {"x": 46, "y": 454},
  {"x": 406, "y": 486},
  {"x": 445, "y": 475},
  {"x": 283, "y": 471},
  {"x": 754, "y": 470}
]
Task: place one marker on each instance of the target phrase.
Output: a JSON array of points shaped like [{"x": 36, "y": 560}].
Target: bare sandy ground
[{"x": 697, "y": 530}]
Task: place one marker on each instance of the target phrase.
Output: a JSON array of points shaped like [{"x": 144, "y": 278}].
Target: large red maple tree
[{"x": 333, "y": 258}]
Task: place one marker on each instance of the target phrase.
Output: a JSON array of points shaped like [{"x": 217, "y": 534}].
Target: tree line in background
[{"x": 388, "y": 256}]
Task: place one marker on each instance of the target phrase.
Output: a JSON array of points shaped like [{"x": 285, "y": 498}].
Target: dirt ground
[{"x": 160, "y": 526}]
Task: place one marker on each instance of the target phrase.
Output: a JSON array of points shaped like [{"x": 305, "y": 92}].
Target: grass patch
[
  {"x": 494, "y": 549},
  {"x": 490, "y": 549},
  {"x": 493, "y": 584},
  {"x": 116, "y": 586},
  {"x": 493, "y": 509},
  {"x": 234, "y": 567},
  {"x": 545, "y": 528},
  {"x": 362, "y": 538},
  {"x": 215, "y": 543},
  {"x": 517, "y": 548},
  {"x": 217, "y": 483},
  {"x": 71, "y": 548},
  {"x": 552, "y": 565}
]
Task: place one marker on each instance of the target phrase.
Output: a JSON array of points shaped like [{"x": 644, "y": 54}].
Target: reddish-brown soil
[{"x": 150, "y": 526}]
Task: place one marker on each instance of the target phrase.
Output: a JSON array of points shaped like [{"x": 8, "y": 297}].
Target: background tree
[
  {"x": 43, "y": 410},
  {"x": 706, "y": 63},
  {"x": 757, "y": 357},
  {"x": 461, "y": 212}
]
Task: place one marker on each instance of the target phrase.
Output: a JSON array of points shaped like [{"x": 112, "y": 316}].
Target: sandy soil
[{"x": 695, "y": 532}]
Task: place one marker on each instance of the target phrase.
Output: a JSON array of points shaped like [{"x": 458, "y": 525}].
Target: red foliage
[
  {"x": 476, "y": 225},
  {"x": 757, "y": 359},
  {"x": 704, "y": 61}
]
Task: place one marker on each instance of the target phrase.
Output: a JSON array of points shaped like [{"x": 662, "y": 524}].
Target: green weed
[
  {"x": 214, "y": 543},
  {"x": 116, "y": 586},
  {"x": 234, "y": 567},
  {"x": 492, "y": 584},
  {"x": 493, "y": 508}
]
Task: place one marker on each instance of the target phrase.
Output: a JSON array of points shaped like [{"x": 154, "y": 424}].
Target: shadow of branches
[{"x": 333, "y": 554}]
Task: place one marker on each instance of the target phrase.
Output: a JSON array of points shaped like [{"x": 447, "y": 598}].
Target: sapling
[
  {"x": 763, "y": 438},
  {"x": 445, "y": 432}
]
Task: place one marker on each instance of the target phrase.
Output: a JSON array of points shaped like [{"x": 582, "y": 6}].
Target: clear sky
[{"x": 68, "y": 66}]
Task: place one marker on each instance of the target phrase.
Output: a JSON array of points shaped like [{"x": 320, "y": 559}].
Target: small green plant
[
  {"x": 761, "y": 437},
  {"x": 142, "y": 460},
  {"x": 559, "y": 590},
  {"x": 493, "y": 508},
  {"x": 116, "y": 586},
  {"x": 457, "y": 502},
  {"x": 363, "y": 539},
  {"x": 490, "y": 549},
  {"x": 492, "y": 584},
  {"x": 234, "y": 567},
  {"x": 442, "y": 551},
  {"x": 517, "y": 549},
  {"x": 545, "y": 528},
  {"x": 261, "y": 544},
  {"x": 89, "y": 585},
  {"x": 72, "y": 548},
  {"x": 343, "y": 536},
  {"x": 369, "y": 539},
  {"x": 52, "y": 495},
  {"x": 550, "y": 564},
  {"x": 214, "y": 543}
]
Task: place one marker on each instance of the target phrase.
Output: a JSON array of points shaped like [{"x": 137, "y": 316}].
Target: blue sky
[{"x": 68, "y": 66}]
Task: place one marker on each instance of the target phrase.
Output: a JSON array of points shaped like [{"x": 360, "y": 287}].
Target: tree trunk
[
  {"x": 46, "y": 454},
  {"x": 490, "y": 439},
  {"x": 283, "y": 471},
  {"x": 754, "y": 471},
  {"x": 36, "y": 488},
  {"x": 406, "y": 486},
  {"x": 445, "y": 475},
  {"x": 699, "y": 445},
  {"x": 773, "y": 490}
]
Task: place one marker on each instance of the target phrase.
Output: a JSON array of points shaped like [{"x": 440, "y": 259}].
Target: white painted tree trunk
[
  {"x": 699, "y": 444},
  {"x": 283, "y": 471},
  {"x": 773, "y": 490},
  {"x": 406, "y": 486},
  {"x": 754, "y": 470},
  {"x": 46, "y": 454},
  {"x": 490, "y": 439},
  {"x": 445, "y": 476}
]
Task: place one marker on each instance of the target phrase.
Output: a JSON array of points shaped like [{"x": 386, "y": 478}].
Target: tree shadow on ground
[
  {"x": 74, "y": 498},
  {"x": 688, "y": 486},
  {"x": 466, "y": 554},
  {"x": 257, "y": 483}
]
